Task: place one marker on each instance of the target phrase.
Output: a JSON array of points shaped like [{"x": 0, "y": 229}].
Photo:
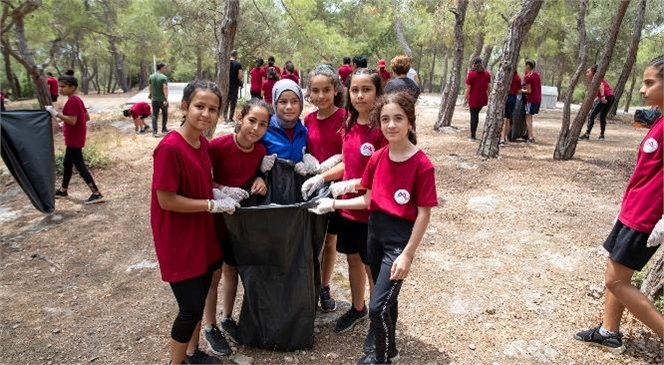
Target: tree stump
[{"x": 653, "y": 285}]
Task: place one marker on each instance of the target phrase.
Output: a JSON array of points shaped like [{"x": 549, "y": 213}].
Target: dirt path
[{"x": 511, "y": 265}]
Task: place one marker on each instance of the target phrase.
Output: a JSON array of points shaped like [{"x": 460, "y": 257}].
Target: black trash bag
[
  {"x": 277, "y": 244},
  {"x": 646, "y": 117},
  {"x": 27, "y": 150},
  {"x": 518, "y": 126}
]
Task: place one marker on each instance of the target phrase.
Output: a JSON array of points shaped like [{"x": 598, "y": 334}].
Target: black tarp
[
  {"x": 518, "y": 125},
  {"x": 27, "y": 150},
  {"x": 277, "y": 244}
]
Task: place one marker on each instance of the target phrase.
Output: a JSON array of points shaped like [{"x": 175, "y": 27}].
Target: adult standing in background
[
  {"x": 532, "y": 87},
  {"x": 158, "y": 93},
  {"x": 234, "y": 84},
  {"x": 53, "y": 88},
  {"x": 478, "y": 86},
  {"x": 412, "y": 74},
  {"x": 400, "y": 66}
]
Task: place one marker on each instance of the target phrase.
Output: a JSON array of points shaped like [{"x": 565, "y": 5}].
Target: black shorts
[
  {"x": 54, "y": 98},
  {"x": 145, "y": 116},
  {"x": 532, "y": 108},
  {"x": 334, "y": 223},
  {"x": 352, "y": 238},
  {"x": 227, "y": 254},
  {"x": 628, "y": 247},
  {"x": 509, "y": 106}
]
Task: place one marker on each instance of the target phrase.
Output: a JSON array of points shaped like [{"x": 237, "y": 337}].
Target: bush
[{"x": 93, "y": 156}]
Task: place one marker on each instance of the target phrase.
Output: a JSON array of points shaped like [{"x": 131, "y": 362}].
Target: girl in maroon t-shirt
[
  {"x": 603, "y": 104},
  {"x": 236, "y": 161},
  {"x": 256, "y": 84},
  {"x": 478, "y": 85},
  {"x": 271, "y": 78},
  {"x": 401, "y": 190},
  {"x": 183, "y": 229},
  {"x": 638, "y": 231},
  {"x": 74, "y": 119}
]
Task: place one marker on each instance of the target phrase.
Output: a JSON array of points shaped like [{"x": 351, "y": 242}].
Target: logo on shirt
[
  {"x": 650, "y": 145},
  {"x": 367, "y": 149},
  {"x": 402, "y": 196}
]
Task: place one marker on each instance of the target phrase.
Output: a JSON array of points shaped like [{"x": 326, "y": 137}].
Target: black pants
[
  {"x": 156, "y": 107},
  {"x": 232, "y": 102},
  {"x": 256, "y": 95},
  {"x": 190, "y": 295},
  {"x": 388, "y": 236},
  {"x": 602, "y": 109},
  {"x": 474, "y": 121},
  {"x": 74, "y": 157}
]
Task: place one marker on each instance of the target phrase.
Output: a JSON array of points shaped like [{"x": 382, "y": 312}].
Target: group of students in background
[
  {"x": 264, "y": 76},
  {"x": 356, "y": 138}
]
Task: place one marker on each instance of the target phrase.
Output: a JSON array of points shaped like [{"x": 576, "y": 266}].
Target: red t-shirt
[
  {"x": 140, "y": 109},
  {"x": 535, "y": 95},
  {"x": 344, "y": 71},
  {"x": 257, "y": 76},
  {"x": 75, "y": 134},
  {"x": 267, "y": 90},
  {"x": 291, "y": 77},
  {"x": 232, "y": 166},
  {"x": 52, "y": 83},
  {"x": 479, "y": 84},
  {"x": 398, "y": 188},
  {"x": 384, "y": 75},
  {"x": 324, "y": 135},
  {"x": 276, "y": 68},
  {"x": 359, "y": 144},
  {"x": 643, "y": 201},
  {"x": 185, "y": 242},
  {"x": 607, "y": 89},
  {"x": 515, "y": 86}
]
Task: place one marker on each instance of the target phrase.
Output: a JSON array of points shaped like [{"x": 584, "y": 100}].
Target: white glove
[
  {"x": 324, "y": 206},
  {"x": 237, "y": 194},
  {"x": 51, "y": 109},
  {"x": 657, "y": 235},
  {"x": 225, "y": 205},
  {"x": 218, "y": 194},
  {"x": 343, "y": 187},
  {"x": 329, "y": 163},
  {"x": 268, "y": 162},
  {"x": 311, "y": 185},
  {"x": 308, "y": 166}
]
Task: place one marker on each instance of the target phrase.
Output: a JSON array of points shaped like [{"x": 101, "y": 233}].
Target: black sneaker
[
  {"x": 200, "y": 357},
  {"x": 530, "y": 140},
  {"x": 229, "y": 327},
  {"x": 369, "y": 342},
  {"x": 94, "y": 199},
  {"x": 584, "y": 136},
  {"x": 370, "y": 359},
  {"x": 612, "y": 343},
  {"x": 164, "y": 130},
  {"x": 217, "y": 342},
  {"x": 327, "y": 304},
  {"x": 501, "y": 144},
  {"x": 349, "y": 319},
  {"x": 601, "y": 137},
  {"x": 60, "y": 193}
]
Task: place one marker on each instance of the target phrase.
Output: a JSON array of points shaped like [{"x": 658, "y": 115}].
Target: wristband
[
  {"x": 333, "y": 208},
  {"x": 209, "y": 205}
]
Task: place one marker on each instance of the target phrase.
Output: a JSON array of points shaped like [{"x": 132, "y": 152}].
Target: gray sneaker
[
  {"x": 612, "y": 343},
  {"x": 349, "y": 319},
  {"x": 229, "y": 327},
  {"x": 200, "y": 357},
  {"x": 217, "y": 342}
]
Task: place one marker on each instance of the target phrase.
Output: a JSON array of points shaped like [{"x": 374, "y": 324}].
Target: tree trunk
[
  {"x": 631, "y": 91},
  {"x": 451, "y": 92},
  {"x": 653, "y": 285},
  {"x": 13, "y": 83},
  {"x": 398, "y": 30},
  {"x": 226, "y": 39},
  {"x": 443, "y": 78},
  {"x": 109, "y": 83},
  {"x": 568, "y": 138},
  {"x": 143, "y": 75},
  {"x": 199, "y": 63},
  {"x": 486, "y": 55},
  {"x": 517, "y": 30},
  {"x": 631, "y": 56},
  {"x": 118, "y": 62},
  {"x": 433, "y": 67}
]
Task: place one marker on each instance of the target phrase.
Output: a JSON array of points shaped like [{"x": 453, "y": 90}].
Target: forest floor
[{"x": 510, "y": 268}]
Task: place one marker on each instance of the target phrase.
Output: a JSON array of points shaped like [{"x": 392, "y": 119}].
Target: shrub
[{"x": 93, "y": 156}]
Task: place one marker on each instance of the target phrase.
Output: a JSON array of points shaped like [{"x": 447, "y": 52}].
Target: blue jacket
[{"x": 276, "y": 141}]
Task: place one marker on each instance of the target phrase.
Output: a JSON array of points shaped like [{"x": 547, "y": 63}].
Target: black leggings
[
  {"x": 602, "y": 109},
  {"x": 388, "y": 236},
  {"x": 474, "y": 121},
  {"x": 190, "y": 295},
  {"x": 74, "y": 157}
]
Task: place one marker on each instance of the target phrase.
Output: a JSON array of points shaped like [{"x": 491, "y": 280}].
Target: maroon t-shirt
[
  {"x": 291, "y": 77},
  {"x": 324, "y": 135},
  {"x": 257, "y": 75},
  {"x": 52, "y": 83},
  {"x": 75, "y": 134},
  {"x": 344, "y": 71},
  {"x": 267, "y": 90},
  {"x": 384, "y": 75},
  {"x": 535, "y": 95},
  {"x": 398, "y": 188},
  {"x": 479, "y": 84},
  {"x": 140, "y": 109},
  {"x": 515, "y": 86},
  {"x": 359, "y": 145},
  {"x": 607, "y": 89},
  {"x": 232, "y": 166},
  {"x": 185, "y": 242},
  {"x": 643, "y": 202}
]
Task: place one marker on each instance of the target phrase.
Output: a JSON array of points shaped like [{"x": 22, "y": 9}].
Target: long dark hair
[
  {"x": 332, "y": 75},
  {"x": 196, "y": 85},
  {"x": 405, "y": 101},
  {"x": 352, "y": 114}
]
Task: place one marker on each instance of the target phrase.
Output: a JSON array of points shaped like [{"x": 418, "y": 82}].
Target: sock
[
  {"x": 208, "y": 327},
  {"x": 359, "y": 310},
  {"x": 605, "y": 333}
]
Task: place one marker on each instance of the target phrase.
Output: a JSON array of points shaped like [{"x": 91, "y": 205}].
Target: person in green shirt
[{"x": 158, "y": 93}]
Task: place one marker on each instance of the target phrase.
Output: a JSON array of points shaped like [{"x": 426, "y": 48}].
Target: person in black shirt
[
  {"x": 400, "y": 66},
  {"x": 234, "y": 84}
]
